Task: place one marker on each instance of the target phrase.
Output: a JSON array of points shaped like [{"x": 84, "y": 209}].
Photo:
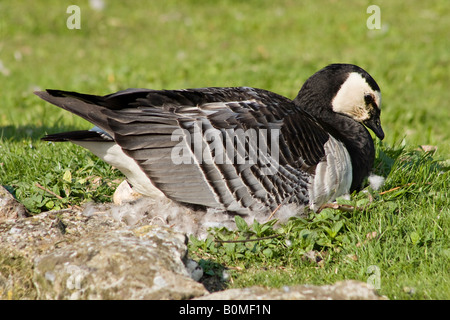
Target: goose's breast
[{"x": 333, "y": 175}]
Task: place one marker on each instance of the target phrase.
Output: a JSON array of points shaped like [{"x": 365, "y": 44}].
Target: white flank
[
  {"x": 112, "y": 153},
  {"x": 333, "y": 176}
]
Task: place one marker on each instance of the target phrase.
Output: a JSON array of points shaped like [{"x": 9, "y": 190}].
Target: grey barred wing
[{"x": 250, "y": 153}]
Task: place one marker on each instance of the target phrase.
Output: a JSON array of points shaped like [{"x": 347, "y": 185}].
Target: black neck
[
  {"x": 353, "y": 134},
  {"x": 358, "y": 142}
]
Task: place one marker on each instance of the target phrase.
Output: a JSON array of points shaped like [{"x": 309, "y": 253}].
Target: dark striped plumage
[{"x": 142, "y": 123}]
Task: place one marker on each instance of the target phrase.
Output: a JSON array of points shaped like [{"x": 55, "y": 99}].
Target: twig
[
  {"x": 55, "y": 195},
  {"x": 277, "y": 208},
  {"x": 46, "y": 190},
  {"x": 274, "y": 211},
  {"x": 396, "y": 188}
]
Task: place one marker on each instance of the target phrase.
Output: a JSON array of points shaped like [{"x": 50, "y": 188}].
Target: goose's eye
[{"x": 368, "y": 98}]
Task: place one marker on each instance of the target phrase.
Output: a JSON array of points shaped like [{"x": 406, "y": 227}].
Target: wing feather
[{"x": 143, "y": 122}]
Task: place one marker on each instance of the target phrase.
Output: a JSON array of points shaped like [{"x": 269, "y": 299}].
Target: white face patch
[{"x": 350, "y": 98}]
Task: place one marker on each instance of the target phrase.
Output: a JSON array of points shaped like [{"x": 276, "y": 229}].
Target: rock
[
  {"x": 10, "y": 208},
  {"x": 71, "y": 254},
  {"x": 344, "y": 290},
  {"x": 120, "y": 252},
  {"x": 145, "y": 263}
]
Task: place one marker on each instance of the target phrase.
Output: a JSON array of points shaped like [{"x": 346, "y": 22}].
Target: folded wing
[{"x": 236, "y": 149}]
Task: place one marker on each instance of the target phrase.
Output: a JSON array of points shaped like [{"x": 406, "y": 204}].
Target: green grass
[{"x": 275, "y": 45}]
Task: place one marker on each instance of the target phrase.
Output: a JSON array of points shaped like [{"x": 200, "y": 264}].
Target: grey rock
[
  {"x": 71, "y": 254},
  {"x": 10, "y": 208},
  {"x": 145, "y": 263},
  {"x": 344, "y": 290}
]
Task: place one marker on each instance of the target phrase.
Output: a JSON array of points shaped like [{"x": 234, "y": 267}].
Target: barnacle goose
[{"x": 237, "y": 149}]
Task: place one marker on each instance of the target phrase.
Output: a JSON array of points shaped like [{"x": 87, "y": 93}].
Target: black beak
[{"x": 375, "y": 125}]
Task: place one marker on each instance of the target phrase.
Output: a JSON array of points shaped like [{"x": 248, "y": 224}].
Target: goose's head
[{"x": 344, "y": 89}]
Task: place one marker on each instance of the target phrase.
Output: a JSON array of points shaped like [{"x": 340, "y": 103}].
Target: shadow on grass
[
  {"x": 34, "y": 133},
  {"x": 213, "y": 275}
]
